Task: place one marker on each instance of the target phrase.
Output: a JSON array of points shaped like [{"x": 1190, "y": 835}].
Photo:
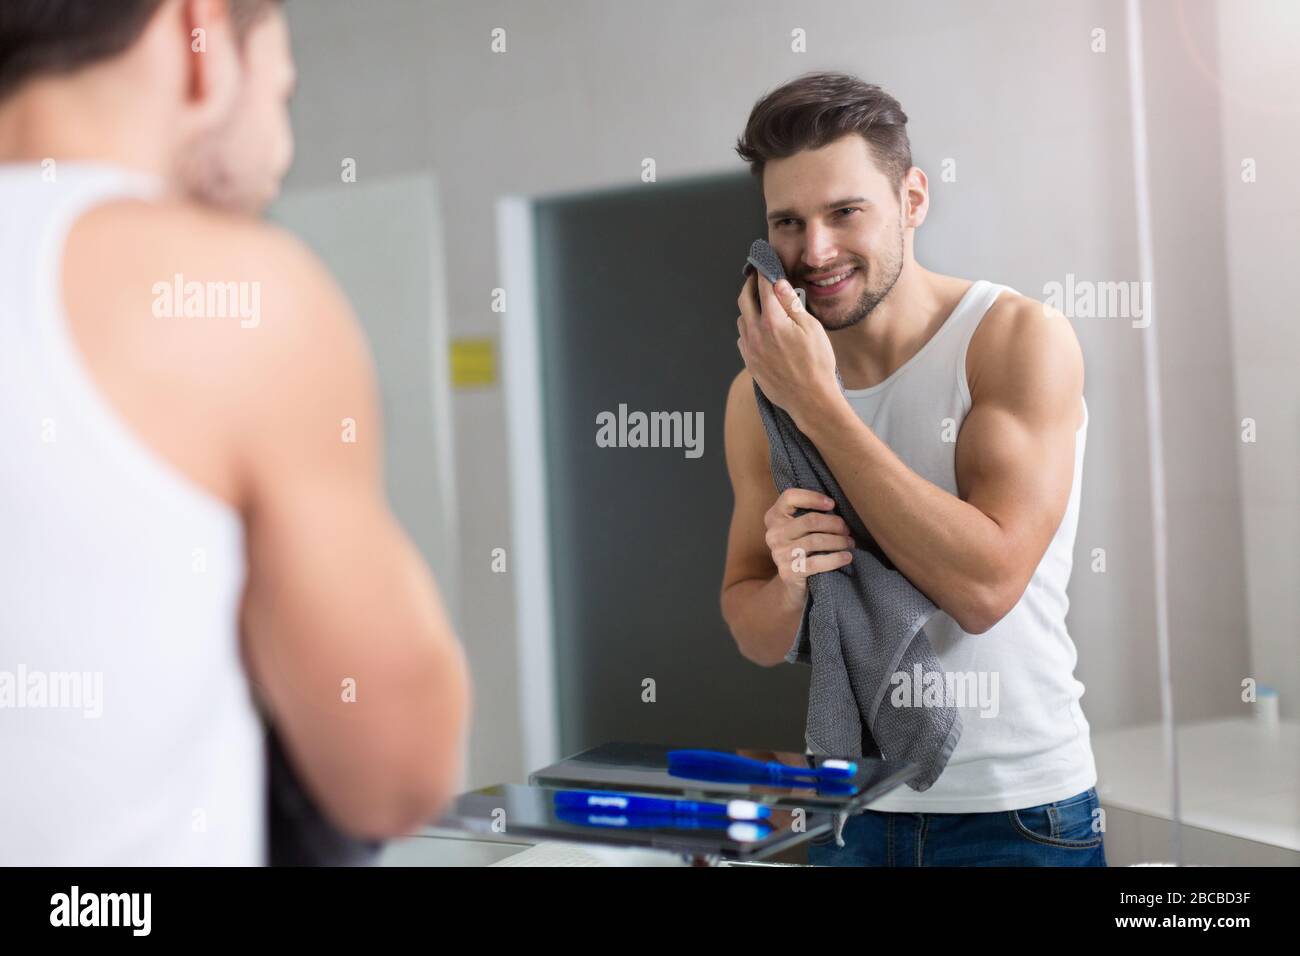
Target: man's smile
[{"x": 829, "y": 283}]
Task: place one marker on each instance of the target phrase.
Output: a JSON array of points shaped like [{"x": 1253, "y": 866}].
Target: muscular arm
[
  {"x": 337, "y": 596},
  {"x": 254, "y": 413},
  {"x": 761, "y": 613},
  {"x": 973, "y": 553},
  {"x": 761, "y": 603}
]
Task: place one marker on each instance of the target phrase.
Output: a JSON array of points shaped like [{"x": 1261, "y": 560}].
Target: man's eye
[
  {"x": 849, "y": 209},
  {"x": 782, "y": 222}
]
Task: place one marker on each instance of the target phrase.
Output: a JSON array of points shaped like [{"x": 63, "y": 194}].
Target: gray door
[{"x": 637, "y": 306}]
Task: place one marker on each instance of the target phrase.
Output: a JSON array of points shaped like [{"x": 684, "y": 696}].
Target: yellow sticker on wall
[{"x": 473, "y": 363}]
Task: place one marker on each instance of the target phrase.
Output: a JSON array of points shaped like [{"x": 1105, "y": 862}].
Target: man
[
  {"x": 958, "y": 438},
  {"x": 192, "y": 500}
]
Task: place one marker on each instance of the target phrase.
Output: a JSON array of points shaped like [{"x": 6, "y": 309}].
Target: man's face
[
  {"x": 833, "y": 215},
  {"x": 240, "y": 163}
]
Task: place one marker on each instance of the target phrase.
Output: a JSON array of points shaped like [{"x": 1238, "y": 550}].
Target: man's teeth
[{"x": 833, "y": 279}]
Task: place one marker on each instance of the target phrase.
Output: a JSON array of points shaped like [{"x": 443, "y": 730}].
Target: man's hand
[
  {"x": 786, "y": 350},
  {"x": 808, "y": 544}
]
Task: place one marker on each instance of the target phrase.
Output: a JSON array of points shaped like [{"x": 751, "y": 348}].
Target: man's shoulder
[
  {"x": 740, "y": 385},
  {"x": 745, "y": 437},
  {"x": 139, "y": 235},
  {"x": 1013, "y": 312},
  {"x": 230, "y": 285},
  {"x": 204, "y": 328},
  {"x": 742, "y": 406},
  {"x": 1022, "y": 341}
]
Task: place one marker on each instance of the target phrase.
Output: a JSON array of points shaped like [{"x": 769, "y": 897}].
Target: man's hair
[
  {"x": 43, "y": 37},
  {"x": 819, "y": 108}
]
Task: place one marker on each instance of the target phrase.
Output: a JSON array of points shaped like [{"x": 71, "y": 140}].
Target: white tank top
[
  {"x": 1024, "y": 737},
  {"x": 128, "y": 735}
]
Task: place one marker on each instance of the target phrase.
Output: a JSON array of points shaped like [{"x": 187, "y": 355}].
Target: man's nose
[{"x": 819, "y": 247}]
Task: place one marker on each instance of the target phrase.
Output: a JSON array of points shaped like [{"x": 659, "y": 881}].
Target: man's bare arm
[
  {"x": 252, "y": 409},
  {"x": 761, "y": 602},
  {"x": 338, "y": 599},
  {"x": 974, "y": 553}
]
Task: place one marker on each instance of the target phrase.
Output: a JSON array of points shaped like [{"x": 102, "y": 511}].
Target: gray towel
[{"x": 862, "y": 624}]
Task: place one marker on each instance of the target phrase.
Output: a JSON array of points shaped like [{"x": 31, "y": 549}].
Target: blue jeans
[{"x": 1051, "y": 834}]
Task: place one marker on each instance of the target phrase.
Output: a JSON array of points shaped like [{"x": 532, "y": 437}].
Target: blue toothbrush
[
  {"x": 612, "y": 801},
  {"x": 742, "y": 831},
  {"x": 719, "y": 767}
]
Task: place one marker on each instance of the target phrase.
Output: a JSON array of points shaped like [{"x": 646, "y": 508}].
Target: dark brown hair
[
  {"x": 819, "y": 108},
  {"x": 39, "y": 37}
]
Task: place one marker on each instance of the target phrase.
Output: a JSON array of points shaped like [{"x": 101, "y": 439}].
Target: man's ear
[
  {"x": 916, "y": 197},
  {"x": 212, "y": 60}
]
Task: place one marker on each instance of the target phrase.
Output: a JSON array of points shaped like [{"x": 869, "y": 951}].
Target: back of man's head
[{"x": 213, "y": 76}]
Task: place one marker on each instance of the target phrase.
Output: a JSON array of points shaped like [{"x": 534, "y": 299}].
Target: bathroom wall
[
  {"x": 1257, "y": 82},
  {"x": 1207, "y": 605}
]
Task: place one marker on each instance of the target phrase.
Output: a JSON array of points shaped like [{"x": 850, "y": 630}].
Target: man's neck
[
  {"x": 915, "y": 308},
  {"x": 70, "y": 120}
]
